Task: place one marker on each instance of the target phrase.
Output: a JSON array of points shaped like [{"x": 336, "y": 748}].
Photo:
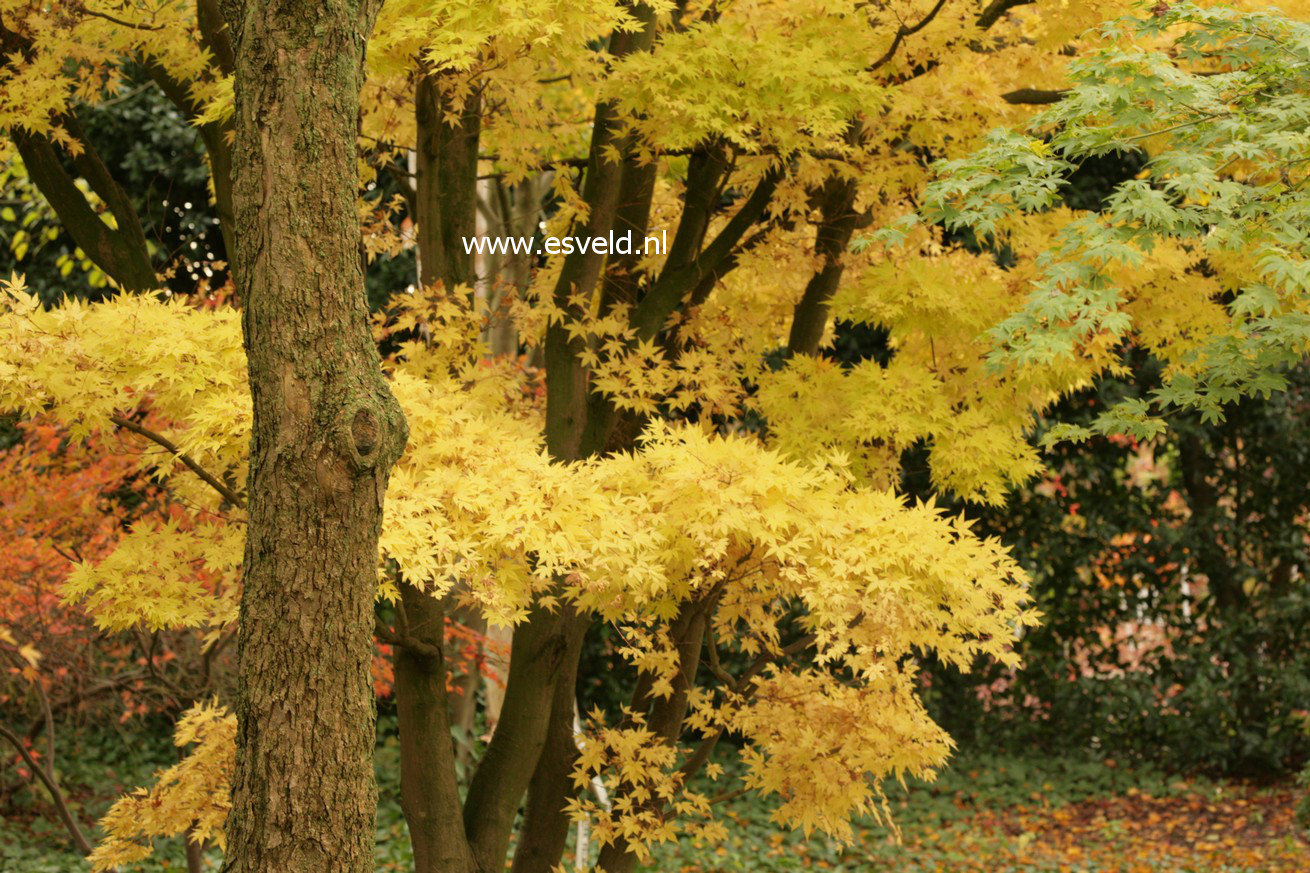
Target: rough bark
[{"x": 326, "y": 433}]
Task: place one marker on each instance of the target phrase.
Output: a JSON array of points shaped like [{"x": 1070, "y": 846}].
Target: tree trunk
[
  {"x": 446, "y": 182},
  {"x": 665, "y": 715},
  {"x": 326, "y": 433},
  {"x": 834, "y": 236},
  {"x": 545, "y": 827},
  {"x": 544, "y": 647},
  {"x": 464, "y": 682},
  {"x": 445, "y": 202},
  {"x": 429, "y": 793}
]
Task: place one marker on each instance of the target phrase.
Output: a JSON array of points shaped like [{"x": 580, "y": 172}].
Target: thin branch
[
  {"x": 1179, "y": 126},
  {"x": 213, "y": 481},
  {"x": 120, "y": 22},
  {"x": 49, "y": 717},
  {"x": 715, "y": 666},
  {"x": 702, "y": 754},
  {"x": 52, "y": 787},
  {"x": 122, "y": 98},
  {"x": 47, "y": 773},
  {"x": 114, "y": 684},
  {"x": 183, "y": 695},
  {"x": 673, "y": 283},
  {"x": 902, "y": 32},
  {"x": 728, "y": 795}
]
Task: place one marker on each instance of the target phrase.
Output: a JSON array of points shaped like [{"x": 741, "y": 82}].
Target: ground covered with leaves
[{"x": 1003, "y": 814}]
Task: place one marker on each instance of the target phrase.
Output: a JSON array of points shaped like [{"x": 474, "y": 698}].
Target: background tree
[{"x": 1208, "y": 548}]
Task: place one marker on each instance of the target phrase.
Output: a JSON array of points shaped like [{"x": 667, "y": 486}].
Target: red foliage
[{"x": 62, "y": 501}]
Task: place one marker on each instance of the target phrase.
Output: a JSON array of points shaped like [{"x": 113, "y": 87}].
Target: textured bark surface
[{"x": 326, "y": 433}]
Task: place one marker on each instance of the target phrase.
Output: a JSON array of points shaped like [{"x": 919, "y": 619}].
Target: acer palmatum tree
[{"x": 768, "y": 582}]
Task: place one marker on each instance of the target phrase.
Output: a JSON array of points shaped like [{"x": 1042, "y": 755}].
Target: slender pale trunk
[{"x": 326, "y": 433}]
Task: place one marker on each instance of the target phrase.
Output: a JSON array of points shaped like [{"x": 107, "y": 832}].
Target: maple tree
[{"x": 696, "y": 472}]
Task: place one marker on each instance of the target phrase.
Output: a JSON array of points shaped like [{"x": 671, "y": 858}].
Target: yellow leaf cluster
[
  {"x": 814, "y": 739},
  {"x": 636, "y": 538},
  {"x": 74, "y": 52},
  {"x": 85, "y": 364},
  {"x": 163, "y": 575},
  {"x": 639, "y": 770},
  {"x": 192, "y": 797}
]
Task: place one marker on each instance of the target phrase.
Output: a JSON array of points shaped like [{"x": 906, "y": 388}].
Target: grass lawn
[{"x": 986, "y": 813}]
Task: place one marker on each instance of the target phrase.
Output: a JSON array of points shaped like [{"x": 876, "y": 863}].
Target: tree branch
[
  {"x": 213, "y": 481},
  {"x": 121, "y": 252},
  {"x": 998, "y": 8},
  {"x": 114, "y": 684},
  {"x": 218, "y": 151},
  {"x": 542, "y": 649},
  {"x": 393, "y": 637},
  {"x": 837, "y": 222},
  {"x": 119, "y": 21},
  {"x": 902, "y": 32},
  {"x": 47, "y": 773},
  {"x": 56, "y": 795},
  {"x": 716, "y": 668},
  {"x": 1034, "y": 96},
  {"x": 672, "y": 284}
]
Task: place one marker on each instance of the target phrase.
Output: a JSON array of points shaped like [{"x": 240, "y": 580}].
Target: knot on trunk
[
  {"x": 372, "y": 431},
  {"x": 364, "y": 432}
]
